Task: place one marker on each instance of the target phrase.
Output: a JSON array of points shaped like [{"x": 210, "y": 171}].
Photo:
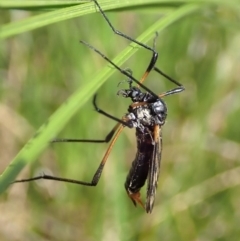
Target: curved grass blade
[
  {"x": 59, "y": 119},
  {"x": 46, "y": 18},
  {"x": 39, "y": 4},
  {"x": 43, "y": 19}
]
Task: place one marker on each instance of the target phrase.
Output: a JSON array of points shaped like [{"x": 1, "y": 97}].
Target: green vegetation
[{"x": 47, "y": 83}]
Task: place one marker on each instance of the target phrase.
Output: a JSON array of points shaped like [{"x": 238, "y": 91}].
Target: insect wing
[{"x": 154, "y": 169}]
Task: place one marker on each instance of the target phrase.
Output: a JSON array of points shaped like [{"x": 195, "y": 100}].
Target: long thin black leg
[
  {"x": 175, "y": 90},
  {"x": 106, "y": 140},
  {"x": 60, "y": 179},
  {"x": 109, "y": 135},
  {"x": 120, "y": 33},
  {"x": 169, "y": 78},
  {"x": 96, "y": 176},
  {"x": 172, "y": 91},
  {"x": 108, "y": 115},
  {"x": 126, "y": 73},
  {"x": 152, "y": 61}
]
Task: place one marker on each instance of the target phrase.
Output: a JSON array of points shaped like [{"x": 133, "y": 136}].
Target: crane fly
[{"x": 147, "y": 114}]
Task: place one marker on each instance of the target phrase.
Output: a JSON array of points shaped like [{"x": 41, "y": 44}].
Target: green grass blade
[
  {"x": 44, "y": 19},
  {"x": 37, "y": 4}
]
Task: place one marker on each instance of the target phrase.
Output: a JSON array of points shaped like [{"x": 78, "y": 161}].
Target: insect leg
[
  {"x": 120, "y": 33},
  {"x": 117, "y": 129},
  {"x": 96, "y": 176},
  {"x": 100, "y": 111},
  {"x": 180, "y": 87},
  {"x": 123, "y": 71},
  {"x": 152, "y": 61},
  {"x": 155, "y": 54},
  {"x": 106, "y": 140},
  {"x": 109, "y": 135}
]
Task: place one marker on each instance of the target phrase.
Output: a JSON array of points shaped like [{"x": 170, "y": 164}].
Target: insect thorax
[{"x": 151, "y": 110}]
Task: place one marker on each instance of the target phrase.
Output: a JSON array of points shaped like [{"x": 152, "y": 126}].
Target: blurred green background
[{"x": 198, "y": 196}]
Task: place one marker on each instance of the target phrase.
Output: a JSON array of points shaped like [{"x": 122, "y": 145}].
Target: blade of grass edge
[
  {"x": 8, "y": 4},
  {"x": 64, "y": 113},
  {"x": 43, "y": 19}
]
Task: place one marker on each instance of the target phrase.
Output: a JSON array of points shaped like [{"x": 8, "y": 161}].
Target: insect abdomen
[{"x": 138, "y": 173}]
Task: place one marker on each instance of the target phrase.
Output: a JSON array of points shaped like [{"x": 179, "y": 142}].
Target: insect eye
[
  {"x": 134, "y": 93},
  {"x": 160, "y": 108}
]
